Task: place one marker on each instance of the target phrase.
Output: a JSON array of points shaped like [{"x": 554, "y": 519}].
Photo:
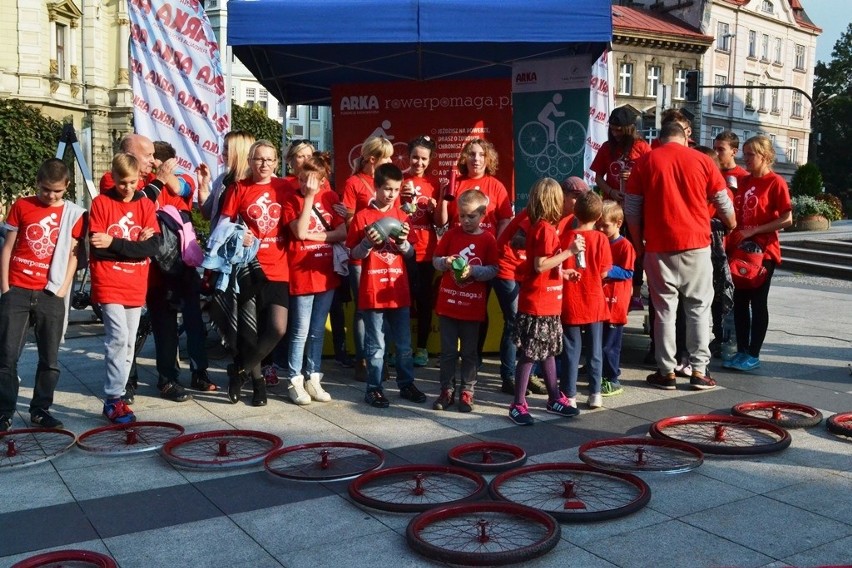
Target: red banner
[{"x": 451, "y": 112}]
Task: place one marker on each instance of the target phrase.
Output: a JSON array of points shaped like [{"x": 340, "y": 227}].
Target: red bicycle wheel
[
  {"x": 29, "y": 446},
  {"x": 641, "y": 454},
  {"x": 324, "y": 461},
  {"x": 483, "y": 534},
  {"x": 840, "y": 424},
  {"x": 487, "y": 456},
  {"x": 133, "y": 438},
  {"x": 784, "y": 414},
  {"x": 416, "y": 488},
  {"x": 68, "y": 558},
  {"x": 220, "y": 449},
  {"x": 572, "y": 492},
  {"x": 723, "y": 435}
]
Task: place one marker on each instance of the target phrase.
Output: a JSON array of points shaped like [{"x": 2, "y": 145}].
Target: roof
[
  {"x": 799, "y": 13},
  {"x": 626, "y": 19}
]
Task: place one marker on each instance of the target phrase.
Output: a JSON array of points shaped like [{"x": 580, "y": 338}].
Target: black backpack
[{"x": 168, "y": 257}]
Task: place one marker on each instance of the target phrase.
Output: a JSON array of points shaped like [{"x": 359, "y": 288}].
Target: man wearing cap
[{"x": 666, "y": 208}]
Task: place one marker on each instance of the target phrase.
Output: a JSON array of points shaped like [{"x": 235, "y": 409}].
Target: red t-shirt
[
  {"x": 583, "y": 301},
  {"x": 541, "y": 292},
  {"x": 761, "y": 200},
  {"x": 512, "y": 261},
  {"x": 37, "y": 226},
  {"x": 467, "y": 300},
  {"x": 676, "y": 183},
  {"x": 618, "y": 292},
  {"x": 737, "y": 171},
  {"x": 497, "y": 209},
  {"x": 312, "y": 262},
  {"x": 259, "y": 205},
  {"x": 421, "y": 221},
  {"x": 384, "y": 281},
  {"x": 121, "y": 282},
  {"x": 358, "y": 191},
  {"x": 609, "y": 163}
]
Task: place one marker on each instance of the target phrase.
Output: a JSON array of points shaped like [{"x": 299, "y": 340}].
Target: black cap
[{"x": 622, "y": 116}]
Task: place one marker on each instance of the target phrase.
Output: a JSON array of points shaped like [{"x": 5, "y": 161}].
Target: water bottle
[
  {"x": 581, "y": 259},
  {"x": 729, "y": 337},
  {"x": 459, "y": 265}
]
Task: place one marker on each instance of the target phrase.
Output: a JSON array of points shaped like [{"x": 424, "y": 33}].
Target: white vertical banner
[
  {"x": 178, "y": 87},
  {"x": 601, "y": 103}
]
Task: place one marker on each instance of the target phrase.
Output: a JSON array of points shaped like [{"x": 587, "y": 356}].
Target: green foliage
[
  {"x": 27, "y": 139},
  {"x": 254, "y": 120},
  {"x": 201, "y": 226},
  {"x": 806, "y": 205},
  {"x": 834, "y": 202},
  {"x": 806, "y": 181}
]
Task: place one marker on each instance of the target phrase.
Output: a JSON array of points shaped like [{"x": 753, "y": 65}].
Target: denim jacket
[{"x": 225, "y": 251}]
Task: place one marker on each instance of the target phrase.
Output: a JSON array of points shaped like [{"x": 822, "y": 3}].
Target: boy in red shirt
[
  {"x": 37, "y": 266},
  {"x": 584, "y": 306},
  {"x": 383, "y": 294},
  {"x": 462, "y": 295},
  {"x": 124, "y": 233},
  {"x": 617, "y": 287}
]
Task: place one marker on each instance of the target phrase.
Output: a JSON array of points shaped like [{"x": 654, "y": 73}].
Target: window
[
  {"x": 764, "y": 47},
  {"x": 752, "y": 44},
  {"x": 749, "y": 95},
  {"x": 720, "y": 95},
  {"x": 233, "y": 92},
  {"x": 723, "y": 36},
  {"x": 625, "y": 79},
  {"x": 262, "y": 104},
  {"x": 793, "y": 151},
  {"x": 314, "y": 112},
  {"x": 774, "y": 94},
  {"x": 654, "y": 74},
  {"x": 251, "y": 93},
  {"x": 767, "y": 7},
  {"x": 680, "y": 84},
  {"x": 797, "y": 105},
  {"x": 800, "y": 57},
  {"x": 714, "y": 132},
  {"x": 294, "y": 112},
  {"x": 778, "y": 46},
  {"x": 762, "y": 97},
  {"x": 746, "y": 135},
  {"x": 772, "y": 139},
  {"x": 61, "y": 35},
  {"x": 264, "y": 95}
]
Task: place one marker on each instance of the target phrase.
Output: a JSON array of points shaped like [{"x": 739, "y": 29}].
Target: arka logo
[
  {"x": 359, "y": 102},
  {"x": 526, "y": 77}
]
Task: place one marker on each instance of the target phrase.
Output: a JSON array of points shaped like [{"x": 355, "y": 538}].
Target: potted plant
[{"x": 810, "y": 214}]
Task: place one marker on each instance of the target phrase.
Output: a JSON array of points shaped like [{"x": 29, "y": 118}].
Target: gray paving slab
[
  {"x": 832, "y": 553},
  {"x": 34, "y": 486}
]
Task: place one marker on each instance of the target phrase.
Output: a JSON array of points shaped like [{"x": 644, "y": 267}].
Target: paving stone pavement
[{"x": 793, "y": 508}]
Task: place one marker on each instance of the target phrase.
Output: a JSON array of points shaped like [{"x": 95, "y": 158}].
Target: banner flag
[
  {"x": 178, "y": 86},
  {"x": 601, "y": 103}
]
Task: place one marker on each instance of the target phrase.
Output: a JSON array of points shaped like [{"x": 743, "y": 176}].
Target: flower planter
[{"x": 811, "y": 223}]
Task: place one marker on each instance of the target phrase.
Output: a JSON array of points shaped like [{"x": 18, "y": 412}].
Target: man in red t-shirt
[
  {"x": 37, "y": 266},
  {"x": 727, "y": 144},
  {"x": 666, "y": 207}
]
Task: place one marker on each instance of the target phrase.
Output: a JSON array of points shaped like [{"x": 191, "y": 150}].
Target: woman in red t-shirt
[
  {"x": 538, "y": 331},
  {"x": 763, "y": 208},
  {"x": 257, "y": 201}
]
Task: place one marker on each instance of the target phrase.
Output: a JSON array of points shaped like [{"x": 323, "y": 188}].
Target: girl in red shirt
[
  {"x": 763, "y": 208},
  {"x": 538, "y": 331}
]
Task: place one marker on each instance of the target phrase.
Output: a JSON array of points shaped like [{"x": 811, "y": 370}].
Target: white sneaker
[
  {"x": 572, "y": 401},
  {"x": 595, "y": 400},
  {"x": 296, "y": 391},
  {"x": 315, "y": 390}
]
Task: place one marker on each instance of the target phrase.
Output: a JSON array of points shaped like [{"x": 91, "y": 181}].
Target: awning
[{"x": 299, "y": 49}]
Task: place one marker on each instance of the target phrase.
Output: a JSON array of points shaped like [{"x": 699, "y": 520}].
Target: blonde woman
[{"x": 235, "y": 153}]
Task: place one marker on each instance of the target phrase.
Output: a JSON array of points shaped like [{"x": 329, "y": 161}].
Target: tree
[
  {"x": 254, "y": 120},
  {"x": 806, "y": 181},
  {"x": 832, "y": 117},
  {"x": 27, "y": 138}
]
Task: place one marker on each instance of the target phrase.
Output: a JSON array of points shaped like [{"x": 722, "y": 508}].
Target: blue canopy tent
[{"x": 298, "y": 49}]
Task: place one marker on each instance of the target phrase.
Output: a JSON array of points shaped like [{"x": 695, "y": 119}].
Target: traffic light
[{"x": 692, "y": 91}]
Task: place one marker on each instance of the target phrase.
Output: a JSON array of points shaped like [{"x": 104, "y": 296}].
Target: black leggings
[
  {"x": 751, "y": 314},
  {"x": 422, "y": 291}
]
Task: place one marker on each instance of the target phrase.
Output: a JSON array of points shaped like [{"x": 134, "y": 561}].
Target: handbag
[
  {"x": 746, "y": 265},
  {"x": 339, "y": 251}
]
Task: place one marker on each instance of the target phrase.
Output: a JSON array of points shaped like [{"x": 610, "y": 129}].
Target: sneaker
[
  {"x": 683, "y": 370},
  {"x": 665, "y": 382},
  {"x": 43, "y": 419},
  {"x": 412, "y": 393},
  {"x": 745, "y": 363},
  {"x": 536, "y": 385},
  {"x": 572, "y": 401},
  {"x": 595, "y": 400},
  {"x": 376, "y": 399},
  {"x": 345, "y": 360},
  {"x": 701, "y": 382},
  {"x": 445, "y": 400},
  {"x": 421, "y": 357},
  {"x": 520, "y": 415},
  {"x": 270, "y": 375},
  {"x": 174, "y": 391},
  {"x": 611, "y": 388},
  {"x": 5, "y": 423},
  {"x": 117, "y": 412},
  {"x": 508, "y": 386},
  {"x": 296, "y": 391},
  {"x": 313, "y": 386},
  {"x": 129, "y": 396},
  {"x": 562, "y": 407},
  {"x": 734, "y": 361},
  {"x": 636, "y": 304},
  {"x": 361, "y": 371},
  {"x": 466, "y": 401},
  {"x": 200, "y": 381}
]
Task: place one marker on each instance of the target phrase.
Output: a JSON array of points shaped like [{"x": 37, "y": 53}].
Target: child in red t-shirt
[
  {"x": 383, "y": 294},
  {"x": 467, "y": 255},
  {"x": 584, "y": 306},
  {"x": 123, "y": 233},
  {"x": 617, "y": 287},
  {"x": 537, "y": 333}
]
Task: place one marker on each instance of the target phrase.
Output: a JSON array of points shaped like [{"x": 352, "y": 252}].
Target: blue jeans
[
  {"x": 507, "y": 297},
  {"x": 398, "y": 321},
  {"x": 573, "y": 350},
  {"x": 18, "y": 308},
  {"x": 358, "y": 317},
  {"x": 611, "y": 350},
  {"x": 307, "y": 331}
]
